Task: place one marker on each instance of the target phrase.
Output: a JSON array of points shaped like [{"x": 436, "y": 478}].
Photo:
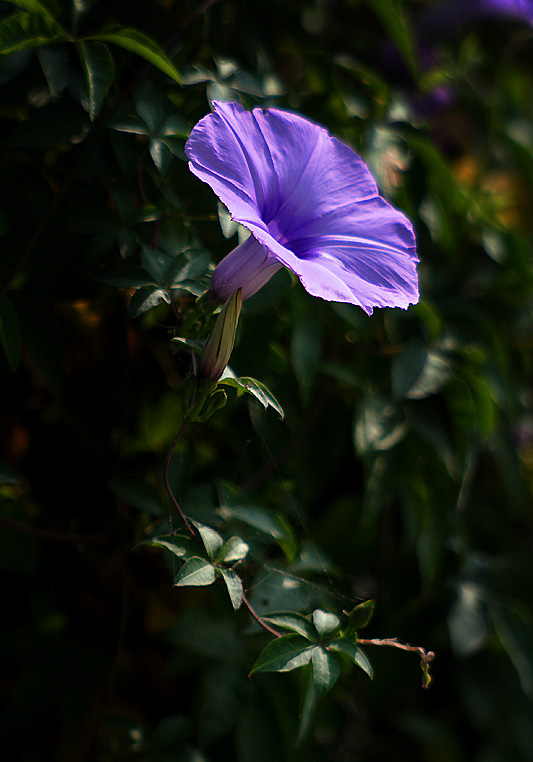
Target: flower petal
[{"x": 310, "y": 201}]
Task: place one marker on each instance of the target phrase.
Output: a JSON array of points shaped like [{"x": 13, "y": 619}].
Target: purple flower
[
  {"x": 311, "y": 205},
  {"x": 454, "y": 14}
]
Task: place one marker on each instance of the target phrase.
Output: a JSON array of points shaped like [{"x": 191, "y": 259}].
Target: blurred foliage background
[{"x": 403, "y": 468}]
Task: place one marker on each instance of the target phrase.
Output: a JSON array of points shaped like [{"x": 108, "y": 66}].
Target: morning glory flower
[{"x": 310, "y": 204}]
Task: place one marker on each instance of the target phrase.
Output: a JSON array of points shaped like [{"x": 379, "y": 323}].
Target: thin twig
[
  {"x": 426, "y": 657},
  {"x": 258, "y": 619}
]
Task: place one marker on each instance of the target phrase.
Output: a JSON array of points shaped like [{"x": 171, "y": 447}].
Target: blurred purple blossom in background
[
  {"x": 454, "y": 14},
  {"x": 311, "y": 205}
]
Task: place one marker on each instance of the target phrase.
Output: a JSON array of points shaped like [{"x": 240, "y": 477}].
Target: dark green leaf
[
  {"x": 99, "y": 71},
  {"x": 342, "y": 645},
  {"x": 29, "y": 30},
  {"x": 360, "y": 616},
  {"x": 48, "y": 7},
  {"x": 284, "y": 654},
  {"x": 143, "y": 46},
  {"x": 56, "y": 68},
  {"x": 195, "y": 571},
  {"x": 156, "y": 263}
]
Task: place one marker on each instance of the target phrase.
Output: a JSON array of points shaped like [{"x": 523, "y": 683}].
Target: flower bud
[{"x": 219, "y": 345}]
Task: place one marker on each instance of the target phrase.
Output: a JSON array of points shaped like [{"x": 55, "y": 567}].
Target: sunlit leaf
[
  {"x": 253, "y": 387},
  {"x": 195, "y": 571},
  {"x": 29, "y": 30},
  {"x": 212, "y": 540},
  {"x": 234, "y": 585},
  {"x": 233, "y": 550},
  {"x": 326, "y": 670},
  {"x": 140, "y": 44},
  {"x": 284, "y": 654},
  {"x": 289, "y": 620},
  {"x": 325, "y": 622},
  {"x": 99, "y": 71}
]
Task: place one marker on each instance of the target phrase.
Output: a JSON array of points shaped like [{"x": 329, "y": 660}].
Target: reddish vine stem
[
  {"x": 258, "y": 619},
  {"x": 426, "y": 657},
  {"x": 166, "y": 480}
]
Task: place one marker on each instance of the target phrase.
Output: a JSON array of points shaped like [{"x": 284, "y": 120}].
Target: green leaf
[
  {"x": 56, "y": 68},
  {"x": 195, "y": 571},
  {"x": 259, "y": 518},
  {"x": 145, "y": 298},
  {"x": 156, "y": 263},
  {"x": 360, "y": 616},
  {"x": 308, "y": 709},
  {"x": 9, "y": 332},
  {"x": 234, "y": 585},
  {"x": 143, "y": 46},
  {"x": 253, "y": 387},
  {"x": 284, "y": 654},
  {"x": 99, "y": 71},
  {"x": 7, "y": 476},
  {"x": 29, "y": 30},
  {"x": 290, "y": 620},
  {"x": 179, "y": 545},
  {"x": 212, "y": 540},
  {"x": 189, "y": 266},
  {"x": 48, "y": 7},
  {"x": 325, "y": 622},
  {"x": 233, "y": 550},
  {"x": 342, "y": 645},
  {"x": 326, "y": 670}
]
